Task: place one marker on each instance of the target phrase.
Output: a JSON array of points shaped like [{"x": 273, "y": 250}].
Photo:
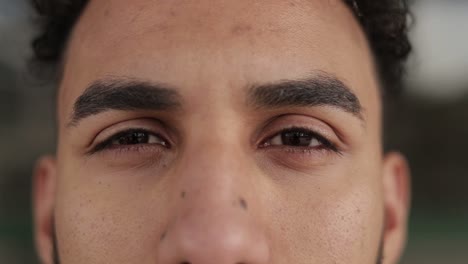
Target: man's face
[{"x": 220, "y": 132}]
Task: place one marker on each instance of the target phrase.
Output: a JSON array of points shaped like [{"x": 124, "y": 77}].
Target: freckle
[
  {"x": 239, "y": 29},
  {"x": 106, "y": 13},
  {"x": 182, "y": 194},
  {"x": 243, "y": 203},
  {"x": 172, "y": 13}
]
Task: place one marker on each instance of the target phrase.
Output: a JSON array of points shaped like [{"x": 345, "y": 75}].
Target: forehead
[{"x": 199, "y": 43}]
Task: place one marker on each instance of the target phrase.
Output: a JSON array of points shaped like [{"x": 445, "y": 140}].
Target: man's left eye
[
  {"x": 295, "y": 139},
  {"x": 300, "y": 138}
]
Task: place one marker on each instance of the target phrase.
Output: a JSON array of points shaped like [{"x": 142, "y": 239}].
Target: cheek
[
  {"x": 353, "y": 226},
  {"x": 341, "y": 225},
  {"x": 104, "y": 220}
]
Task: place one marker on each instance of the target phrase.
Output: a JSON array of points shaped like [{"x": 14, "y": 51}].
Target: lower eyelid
[
  {"x": 126, "y": 150},
  {"x": 293, "y": 149},
  {"x": 296, "y": 158}
]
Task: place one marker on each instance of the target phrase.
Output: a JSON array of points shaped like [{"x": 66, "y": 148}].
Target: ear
[
  {"x": 44, "y": 182},
  {"x": 396, "y": 186}
]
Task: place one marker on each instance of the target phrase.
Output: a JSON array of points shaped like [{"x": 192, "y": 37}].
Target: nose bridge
[
  {"x": 214, "y": 161},
  {"x": 215, "y": 180},
  {"x": 211, "y": 185},
  {"x": 214, "y": 221}
]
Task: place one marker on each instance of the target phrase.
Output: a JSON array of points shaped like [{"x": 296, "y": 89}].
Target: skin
[{"x": 218, "y": 194}]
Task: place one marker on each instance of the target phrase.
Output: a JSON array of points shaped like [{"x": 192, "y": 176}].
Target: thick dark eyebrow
[
  {"x": 123, "y": 94},
  {"x": 320, "y": 90}
]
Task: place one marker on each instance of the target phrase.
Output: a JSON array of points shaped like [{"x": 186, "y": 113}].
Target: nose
[
  {"x": 230, "y": 241},
  {"x": 215, "y": 221}
]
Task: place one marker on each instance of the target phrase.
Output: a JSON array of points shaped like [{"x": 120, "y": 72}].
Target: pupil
[
  {"x": 134, "y": 138},
  {"x": 296, "y": 138}
]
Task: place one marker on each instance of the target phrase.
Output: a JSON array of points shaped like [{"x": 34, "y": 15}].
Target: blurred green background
[{"x": 429, "y": 124}]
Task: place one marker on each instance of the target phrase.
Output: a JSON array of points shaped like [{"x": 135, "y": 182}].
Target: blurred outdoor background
[{"x": 429, "y": 124}]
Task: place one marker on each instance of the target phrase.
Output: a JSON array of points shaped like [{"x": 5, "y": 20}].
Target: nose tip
[{"x": 213, "y": 238}]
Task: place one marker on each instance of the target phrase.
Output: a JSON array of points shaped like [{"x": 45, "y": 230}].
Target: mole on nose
[
  {"x": 163, "y": 235},
  {"x": 243, "y": 203}
]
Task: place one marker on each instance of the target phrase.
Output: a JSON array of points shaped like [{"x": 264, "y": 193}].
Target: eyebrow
[
  {"x": 130, "y": 94},
  {"x": 123, "y": 94},
  {"x": 321, "y": 90}
]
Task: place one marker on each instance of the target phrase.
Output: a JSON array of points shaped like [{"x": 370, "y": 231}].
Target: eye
[
  {"x": 295, "y": 138},
  {"x": 299, "y": 138},
  {"x": 136, "y": 137},
  {"x": 131, "y": 138}
]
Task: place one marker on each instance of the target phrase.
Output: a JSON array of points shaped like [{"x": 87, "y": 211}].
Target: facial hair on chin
[{"x": 55, "y": 256}]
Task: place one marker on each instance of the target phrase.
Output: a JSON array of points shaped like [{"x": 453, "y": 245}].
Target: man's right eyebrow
[{"x": 123, "y": 94}]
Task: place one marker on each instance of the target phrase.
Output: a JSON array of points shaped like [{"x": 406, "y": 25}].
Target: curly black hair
[{"x": 385, "y": 23}]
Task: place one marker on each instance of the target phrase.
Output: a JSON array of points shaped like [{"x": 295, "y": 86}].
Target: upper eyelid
[
  {"x": 126, "y": 131},
  {"x": 300, "y": 120},
  {"x": 145, "y": 123}
]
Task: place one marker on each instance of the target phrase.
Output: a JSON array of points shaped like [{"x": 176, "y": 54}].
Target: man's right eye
[
  {"x": 131, "y": 138},
  {"x": 137, "y": 137}
]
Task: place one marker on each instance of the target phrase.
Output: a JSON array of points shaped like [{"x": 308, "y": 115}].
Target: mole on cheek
[{"x": 182, "y": 194}]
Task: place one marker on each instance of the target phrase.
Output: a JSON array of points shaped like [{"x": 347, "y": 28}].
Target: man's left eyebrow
[
  {"x": 123, "y": 94},
  {"x": 321, "y": 90}
]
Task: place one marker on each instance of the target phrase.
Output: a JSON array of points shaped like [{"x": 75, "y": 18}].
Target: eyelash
[
  {"x": 107, "y": 144},
  {"x": 326, "y": 144}
]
